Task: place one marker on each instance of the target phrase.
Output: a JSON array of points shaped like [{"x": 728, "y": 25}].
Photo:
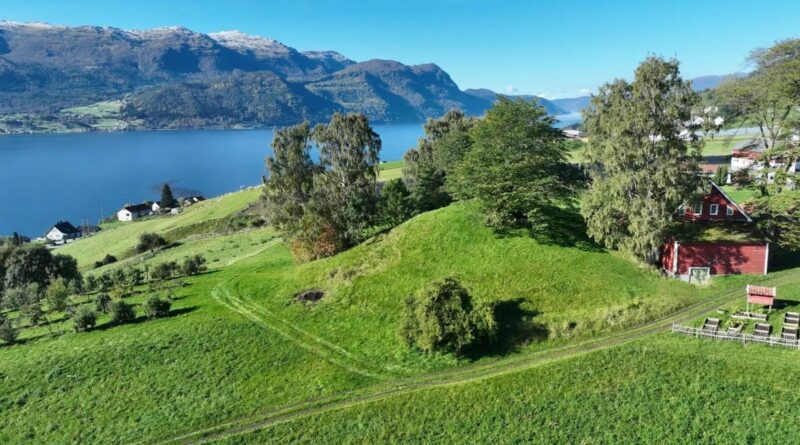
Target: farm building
[
  {"x": 131, "y": 212},
  {"x": 717, "y": 238}
]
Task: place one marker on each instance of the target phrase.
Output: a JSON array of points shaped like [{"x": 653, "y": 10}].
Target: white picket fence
[{"x": 741, "y": 338}]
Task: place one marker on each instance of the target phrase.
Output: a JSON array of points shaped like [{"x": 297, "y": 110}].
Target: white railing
[{"x": 735, "y": 336}]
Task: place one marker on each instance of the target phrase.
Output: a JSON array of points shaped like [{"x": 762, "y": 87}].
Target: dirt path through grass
[
  {"x": 447, "y": 377},
  {"x": 318, "y": 346}
]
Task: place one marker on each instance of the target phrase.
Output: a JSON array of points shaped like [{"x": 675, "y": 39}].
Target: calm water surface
[{"x": 45, "y": 178}]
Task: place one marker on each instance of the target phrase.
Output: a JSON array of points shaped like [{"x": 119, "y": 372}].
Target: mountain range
[{"x": 177, "y": 78}]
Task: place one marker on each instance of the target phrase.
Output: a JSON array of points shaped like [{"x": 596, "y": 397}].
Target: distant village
[{"x": 64, "y": 232}]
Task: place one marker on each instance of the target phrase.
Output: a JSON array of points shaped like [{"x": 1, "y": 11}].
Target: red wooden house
[{"x": 719, "y": 238}]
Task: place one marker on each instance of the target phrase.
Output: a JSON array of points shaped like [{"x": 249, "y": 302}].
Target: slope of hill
[
  {"x": 239, "y": 343},
  {"x": 704, "y": 83}
]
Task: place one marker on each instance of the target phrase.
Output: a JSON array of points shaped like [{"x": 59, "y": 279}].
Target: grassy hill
[
  {"x": 239, "y": 343},
  {"x": 120, "y": 238}
]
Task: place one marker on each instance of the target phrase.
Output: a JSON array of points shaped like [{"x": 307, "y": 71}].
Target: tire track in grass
[
  {"x": 223, "y": 296},
  {"x": 459, "y": 376},
  {"x": 301, "y": 334}
]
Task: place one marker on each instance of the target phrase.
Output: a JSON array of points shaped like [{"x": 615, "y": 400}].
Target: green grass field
[
  {"x": 665, "y": 389},
  {"x": 238, "y": 344},
  {"x": 721, "y": 145},
  {"x": 391, "y": 170},
  {"x": 108, "y": 109}
]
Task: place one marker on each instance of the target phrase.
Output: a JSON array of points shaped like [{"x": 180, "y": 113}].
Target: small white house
[
  {"x": 131, "y": 212},
  {"x": 155, "y": 207},
  {"x": 63, "y": 231}
]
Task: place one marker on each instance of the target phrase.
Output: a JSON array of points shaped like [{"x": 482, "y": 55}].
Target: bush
[
  {"x": 84, "y": 318},
  {"x": 103, "y": 303},
  {"x": 441, "y": 318},
  {"x": 162, "y": 271},
  {"x": 193, "y": 265},
  {"x": 150, "y": 241},
  {"x": 156, "y": 307},
  {"x": 108, "y": 259},
  {"x": 122, "y": 312},
  {"x": 8, "y": 333},
  {"x": 57, "y": 295}
]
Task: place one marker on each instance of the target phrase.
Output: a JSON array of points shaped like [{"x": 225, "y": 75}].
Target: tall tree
[
  {"x": 770, "y": 97},
  {"x": 345, "y": 194},
  {"x": 643, "y": 156},
  {"x": 445, "y": 144},
  {"x": 517, "y": 167},
  {"x": 167, "y": 200},
  {"x": 290, "y": 176}
]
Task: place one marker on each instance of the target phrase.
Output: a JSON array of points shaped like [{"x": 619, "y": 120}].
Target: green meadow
[{"x": 239, "y": 344}]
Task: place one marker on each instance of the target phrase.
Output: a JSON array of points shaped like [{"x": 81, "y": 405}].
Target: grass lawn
[
  {"x": 391, "y": 170},
  {"x": 664, "y": 389},
  {"x": 107, "y": 109},
  {"x": 119, "y": 238},
  {"x": 150, "y": 379},
  {"x": 740, "y": 195},
  {"x": 721, "y": 145}
]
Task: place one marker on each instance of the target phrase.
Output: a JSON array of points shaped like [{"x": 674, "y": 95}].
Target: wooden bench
[
  {"x": 711, "y": 324},
  {"x": 762, "y": 330}
]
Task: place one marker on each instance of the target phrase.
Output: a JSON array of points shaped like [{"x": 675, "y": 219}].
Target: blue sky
[{"x": 551, "y": 48}]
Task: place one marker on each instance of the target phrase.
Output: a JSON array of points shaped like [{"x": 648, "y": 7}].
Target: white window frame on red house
[
  {"x": 697, "y": 209},
  {"x": 713, "y": 209},
  {"x": 730, "y": 211}
]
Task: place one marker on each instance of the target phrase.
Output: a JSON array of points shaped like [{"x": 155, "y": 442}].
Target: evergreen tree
[
  {"x": 643, "y": 158},
  {"x": 395, "y": 201},
  {"x": 436, "y": 156},
  {"x": 516, "y": 168},
  {"x": 167, "y": 200}
]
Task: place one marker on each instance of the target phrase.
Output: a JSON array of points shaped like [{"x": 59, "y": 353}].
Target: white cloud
[
  {"x": 585, "y": 90},
  {"x": 511, "y": 89}
]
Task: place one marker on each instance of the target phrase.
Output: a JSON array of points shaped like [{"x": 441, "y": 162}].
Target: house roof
[
  {"x": 137, "y": 208},
  {"x": 65, "y": 227},
  {"x": 735, "y": 204},
  {"x": 716, "y": 232}
]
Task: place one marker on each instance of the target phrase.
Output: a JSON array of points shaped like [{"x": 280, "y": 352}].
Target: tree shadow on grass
[
  {"x": 516, "y": 327},
  {"x": 783, "y": 259},
  {"x": 564, "y": 227},
  {"x": 142, "y": 319}
]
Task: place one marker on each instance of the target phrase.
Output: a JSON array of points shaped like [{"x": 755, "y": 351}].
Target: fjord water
[{"x": 45, "y": 178}]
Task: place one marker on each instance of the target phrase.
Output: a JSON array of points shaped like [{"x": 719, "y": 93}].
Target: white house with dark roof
[
  {"x": 63, "y": 231},
  {"x": 131, "y": 212}
]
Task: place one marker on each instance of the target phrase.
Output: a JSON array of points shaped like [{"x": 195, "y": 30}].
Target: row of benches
[{"x": 791, "y": 324}]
